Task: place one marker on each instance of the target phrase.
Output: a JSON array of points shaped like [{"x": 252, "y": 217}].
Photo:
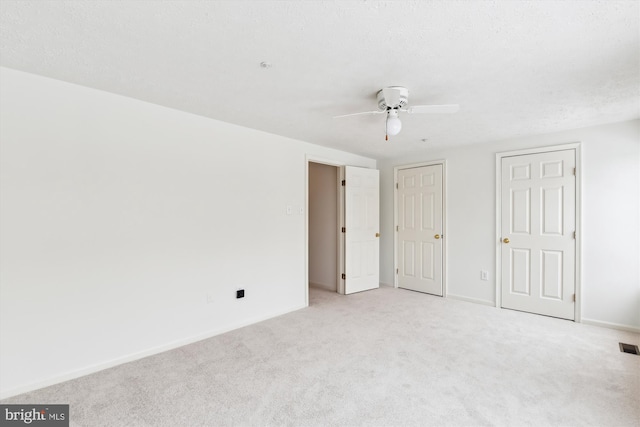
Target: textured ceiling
[{"x": 515, "y": 67}]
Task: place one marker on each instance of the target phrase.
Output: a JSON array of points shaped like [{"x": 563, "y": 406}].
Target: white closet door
[
  {"x": 538, "y": 217},
  {"x": 362, "y": 222},
  {"x": 420, "y": 230}
]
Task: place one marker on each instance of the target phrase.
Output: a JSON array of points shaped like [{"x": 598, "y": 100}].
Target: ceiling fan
[{"x": 393, "y": 100}]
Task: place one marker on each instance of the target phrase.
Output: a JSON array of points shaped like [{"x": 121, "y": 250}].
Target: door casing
[
  {"x": 340, "y": 215},
  {"x": 444, "y": 219},
  {"x": 578, "y": 213}
]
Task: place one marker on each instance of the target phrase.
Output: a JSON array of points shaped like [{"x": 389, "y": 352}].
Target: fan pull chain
[{"x": 386, "y": 135}]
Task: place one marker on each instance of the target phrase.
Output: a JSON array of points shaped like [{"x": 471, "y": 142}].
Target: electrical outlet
[
  {"x": 239, "y": 293},
  {"x": 484, "y": 275}
]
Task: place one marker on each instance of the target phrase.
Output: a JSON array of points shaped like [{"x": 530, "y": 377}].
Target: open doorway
[{"x": 324, "y": 223}]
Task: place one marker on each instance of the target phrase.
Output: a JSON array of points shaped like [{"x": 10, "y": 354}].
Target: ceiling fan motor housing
[{"x": 392, "y": 98}]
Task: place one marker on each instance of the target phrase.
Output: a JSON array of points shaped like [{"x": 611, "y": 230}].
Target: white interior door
[
  {"x": 420, "y": 230},
  {"x": 538, "y": 217},
  {"x": 362, "y": 222}
]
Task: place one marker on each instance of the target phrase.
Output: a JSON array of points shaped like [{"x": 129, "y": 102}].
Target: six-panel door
[
  {"x": 420, "y": 229},
  {"x": 362, "y": 223},
  {"x": 538, "y": 225}
]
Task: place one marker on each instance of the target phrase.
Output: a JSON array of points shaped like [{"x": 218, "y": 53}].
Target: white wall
[
  {"x": 323, "y": 226},
  {"x": 118, "y": 218},
  {"x": 610, "y": 218}
]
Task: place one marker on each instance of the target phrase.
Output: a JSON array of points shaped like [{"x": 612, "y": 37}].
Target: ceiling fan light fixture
[
  {"x": 394, "y": 125},
  {"x": 393, "y": 100}
]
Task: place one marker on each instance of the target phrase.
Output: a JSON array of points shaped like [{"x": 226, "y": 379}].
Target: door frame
[
  {"x": 578, "y": 212},
  {"x": 445, "y": 233},
  {"x": 340, "y": 215}
]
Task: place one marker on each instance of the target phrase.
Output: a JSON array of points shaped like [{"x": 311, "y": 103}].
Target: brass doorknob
[
  {"x": 506, "y": 240},
  {"x": 377, "y": 234},
  {"x": 437, "y": 236}
]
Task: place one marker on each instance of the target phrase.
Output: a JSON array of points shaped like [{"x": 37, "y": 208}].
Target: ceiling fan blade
[
  {"x": 433, "y": 109},
  {"x": 359, "y": 114}
]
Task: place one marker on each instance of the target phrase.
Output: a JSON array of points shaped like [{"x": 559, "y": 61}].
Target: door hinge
[
  {"x": 573, "y": 298},
  {"x": 396, "y": 185},
  {"x": 344, "y": 230},
  {"x": 344, "y": 276},
  {"x": 397, "y": 228},
  {"x": 344, "y": 182},
  {"x": 574, "y": 234},
  {"x": 574, "y": 171},
  {"x": 397, "y": 270}
]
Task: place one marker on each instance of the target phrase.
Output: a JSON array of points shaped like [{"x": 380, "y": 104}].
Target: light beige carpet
[{"x": 386, "y": 357}]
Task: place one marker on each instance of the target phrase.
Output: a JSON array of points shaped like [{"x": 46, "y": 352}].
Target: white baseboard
[
  {"x": 77, "y": 373},
  {"x": 611, "y": 325},
  {"x": 600, "y": 323},
  {"x": 473, "y": 300}
]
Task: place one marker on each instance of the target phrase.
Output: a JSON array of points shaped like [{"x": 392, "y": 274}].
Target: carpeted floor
[{"x": 386, "y": 357}]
